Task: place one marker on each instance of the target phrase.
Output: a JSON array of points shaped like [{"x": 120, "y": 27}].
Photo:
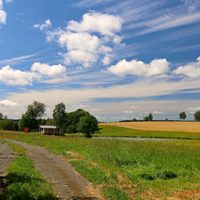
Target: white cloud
[
  {"x": 8, "y": 103},
  {"x": 3, "y": 16},
  {"x": 56, "y": 71},
  {"x": 191, "y": 70},
  {"x": 179, "y": 21},
  {"x": 134, "y": 67},
  {"x": 143, "y": 88},
  {"x": 56, "y": 80},
  {"x": 13, "y": 60},
  {"x": 80, "y": 56},
  {"x": 9, "y": 1},
  {"x": 82, "y": 42},
  {"x": 193, "y": 109},
  {"x": 96, "y": 110},
  {"x": 106, "y": 60},
  {"x": 98, "y": 117},
  {"x": 134, "y": 106},
  {"x": 97, "y": 22},
  {"x": 16, "y": 77},
  {"x": 89, "y": 3},
  {"x": 128, "y": 111},
  {"x": 46, "y": 25},
  {"x": 79, "y": 68},
  {"x": 157, "y": 112}
]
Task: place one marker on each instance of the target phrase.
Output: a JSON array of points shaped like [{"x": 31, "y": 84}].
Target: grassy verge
[
  {"x": 23, "y": 181},
  {"x": 129, "y": 170}
]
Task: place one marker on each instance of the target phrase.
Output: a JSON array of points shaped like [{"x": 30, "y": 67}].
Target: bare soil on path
[
  {"x": 68, "y": 183},
  {"x": 6, "y": 156},
  {"x": 159, "y": 125}
]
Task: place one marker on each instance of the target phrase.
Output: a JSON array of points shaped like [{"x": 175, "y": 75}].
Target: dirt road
[
  {"x": 56, "y": 169},
  {"x": 6, "y": 157}
]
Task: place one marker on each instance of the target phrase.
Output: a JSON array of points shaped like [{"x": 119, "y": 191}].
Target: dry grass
[{"x": 159, "y": 126}]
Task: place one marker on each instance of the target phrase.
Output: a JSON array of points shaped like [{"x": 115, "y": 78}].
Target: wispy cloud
[
  {"x": 16, "y": 59},
  {"x": 90, "y": 3},
  {"x": 151, "y": 16},
  {"x": 180, "y": 21}
]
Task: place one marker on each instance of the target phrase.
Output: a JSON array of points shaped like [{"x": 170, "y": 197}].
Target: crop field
[
  {"x": 125, "y": 170},
  {"x": 159, "y": 126},
  {"x": 116, "y": 131}
]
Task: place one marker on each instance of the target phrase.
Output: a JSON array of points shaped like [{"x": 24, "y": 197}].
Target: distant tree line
[{"x": 7, "y": 124}]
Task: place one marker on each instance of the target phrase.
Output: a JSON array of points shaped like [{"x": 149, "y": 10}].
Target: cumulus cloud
[
  {"x": 193, "y": 109},
  {"x": 8, "y": 103},
  {"x": 134, "y": 106},
  {"x": 128, "y": 111},
  {"x": 46, "y": 25},
  {"x": 56, "y": 71},
  {"x": 10, "y": 76},
  {"x": 3, "y": 14},
  {"x": 97, "y": 22},
  {"x": 134, "y": 67},
  {"x": 80, "y": 56},
  {"x": 191, "y": 70},
  {"x": 157, "y": 112},
  {"x": 89, "y": 40},
  {"x": 80, "y": 41}
]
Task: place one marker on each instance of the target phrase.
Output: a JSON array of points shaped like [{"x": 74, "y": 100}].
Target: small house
[{"x": 49, "y": 130}]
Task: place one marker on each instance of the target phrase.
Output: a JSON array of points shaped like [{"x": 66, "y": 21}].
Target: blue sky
[{"x": 115, "y": 59}]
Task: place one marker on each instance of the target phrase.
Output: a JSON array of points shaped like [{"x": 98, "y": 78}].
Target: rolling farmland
[{"x": 159, "y": 125}]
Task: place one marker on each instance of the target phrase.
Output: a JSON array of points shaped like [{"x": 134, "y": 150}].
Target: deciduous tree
[
  {"x": 182, "y": 115},
  {"x": 59, "y": 115},
  {"x": 150, "y": 117},
  {"x": 197, "y": 116},
  {"x": 31, "y": 118},
  {"x": 1, "y": 116},
  {"x": 88, "y": 125}
]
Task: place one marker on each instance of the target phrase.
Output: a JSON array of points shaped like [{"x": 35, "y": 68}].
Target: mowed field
[{"x": 159, "y": 125}]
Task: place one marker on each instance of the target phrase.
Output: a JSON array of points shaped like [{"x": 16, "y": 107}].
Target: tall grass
[{"x": 128, "y": 169}]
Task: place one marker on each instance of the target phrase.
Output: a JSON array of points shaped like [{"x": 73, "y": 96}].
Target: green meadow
[
  {"x": 114, "y": 131},
  {"x": 127, "y": 169}
]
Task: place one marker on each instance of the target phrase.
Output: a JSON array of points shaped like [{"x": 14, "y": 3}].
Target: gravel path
[
  {"x": 68, "y": 183},
  {"x": 6, "y": 157}
]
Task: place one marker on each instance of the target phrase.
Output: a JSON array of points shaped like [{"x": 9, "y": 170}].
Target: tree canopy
[
  {"x": 88, "y": 125},
  {"x": 182, "y": 115},
  {"x": 36, "y": 110},
  {"x": 59, "y": 115},
  {"x": 197, "y": 116},
  {"x": 1, "y": 116},
  {"x": 33, "y": 113},
  {"x": 150, "y": 117},
  {"x": 8, "y": 124},
  {"x": 73, "y": 118}
]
